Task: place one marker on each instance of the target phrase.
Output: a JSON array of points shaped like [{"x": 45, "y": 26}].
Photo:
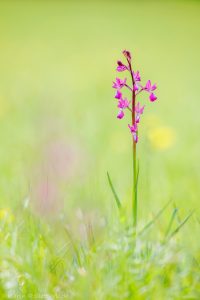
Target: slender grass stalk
[
  {"x": 114, "y": 192},
  {"x": 134, "y": 184}
]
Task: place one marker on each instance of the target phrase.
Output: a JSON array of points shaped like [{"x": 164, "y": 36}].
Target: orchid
[
  {"x": 118, "y": 95},
  {"x": 123, "y": 103},
  {"x": 119, "y": 83},
  {"x": 136, "y": 76},
  {"x": 134, "y": 107},
  {"x": 120, "y": 114},
  {"x": 136, "y": 89},
  {"x": 149, "y": 87},
  {"x": 121, "y": 67}
]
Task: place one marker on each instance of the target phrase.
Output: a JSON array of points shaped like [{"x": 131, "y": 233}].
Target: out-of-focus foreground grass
[{"x": 59, "y": 132}]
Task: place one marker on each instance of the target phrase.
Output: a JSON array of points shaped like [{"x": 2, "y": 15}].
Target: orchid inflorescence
[{"x": 136, "y": 88}]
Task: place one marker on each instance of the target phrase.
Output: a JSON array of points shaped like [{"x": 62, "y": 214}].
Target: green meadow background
[{"x": 59, "y": 134}]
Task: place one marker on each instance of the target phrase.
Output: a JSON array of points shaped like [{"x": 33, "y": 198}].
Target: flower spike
[{"x": 135, "y": 88}]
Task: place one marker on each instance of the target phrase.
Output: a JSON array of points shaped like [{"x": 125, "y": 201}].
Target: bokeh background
[{"x": 58, "y": 128}]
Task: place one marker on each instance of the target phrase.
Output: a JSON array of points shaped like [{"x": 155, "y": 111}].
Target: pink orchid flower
[
  {"x": 118, "y": 95},
  {"x": 149, "y": 87},
  {"x": 136, "y": 76},
  {"x": 119, "y": 83},
  {"x": 152, "y": 97},
  {"x": 139, "y": 109},
  {"x": 123, "y": 103},
  {"x": 120, "y": 114},
  {"x": 121, "y": 67},
  {"x": 133, "y": 129}
]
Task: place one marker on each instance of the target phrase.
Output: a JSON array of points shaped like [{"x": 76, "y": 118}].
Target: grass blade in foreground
[
  {"x": 114, "y": 192},
  {"x": 154, "y": 219},
  {"x": 181, "y": 225},
  {"x": 171, "y": 221}
]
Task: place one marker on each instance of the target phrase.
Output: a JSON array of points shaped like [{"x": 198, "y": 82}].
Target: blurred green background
[{"x": 58, "y": 128}]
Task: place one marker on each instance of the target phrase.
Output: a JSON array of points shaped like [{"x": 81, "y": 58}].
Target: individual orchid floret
[
  {"x": 136, "y": 76},
  {"x": 139, "y": 109},
  {"x": 127, "y": 54},
  {"x": 149, "y": 88},
  {"x": 133, "y": 129},
  {"x": 135, "y": 87},
  {"x": 121, "y": 67},
  {"x": 118, "y": 95},
  {"x": 119, "y": 83},
  {"x": 120, "y": 114},
  {"x": 123, "y": 103},
  {"x": 152, "y": 97}
]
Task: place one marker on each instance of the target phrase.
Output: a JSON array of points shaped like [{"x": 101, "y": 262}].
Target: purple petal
[
  {"x": 136, "y": 76},
  {"x": 139, "y": 109},
  {"x": 154, "y": 87},
  {"x": 118, "y": 95},
  {"x": 148, "y": 86},
  {"x": 135, "y": 137},
  {"x": 133, "y": 128},
  {"x": 121, "y": 67},
  {"x": 120, "y": 114},
  {"x": 152, "y": 97},
  {"x": 137, "y": 118}
]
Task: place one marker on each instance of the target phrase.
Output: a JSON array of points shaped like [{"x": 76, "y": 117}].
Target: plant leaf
[
  {"x": 171, "y": 221},
  {"x": 154, "y": 219},
  {"x": 114, "y": 192},
  {"x": 181, "y": 225}
]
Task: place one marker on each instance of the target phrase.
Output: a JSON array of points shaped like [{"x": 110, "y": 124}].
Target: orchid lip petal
[
  {"x": 120, "y": 114},
  {"x": 152, "y": 97}
]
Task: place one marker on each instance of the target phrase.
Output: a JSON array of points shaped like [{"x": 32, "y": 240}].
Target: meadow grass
[{"x": 60, "y": 229}]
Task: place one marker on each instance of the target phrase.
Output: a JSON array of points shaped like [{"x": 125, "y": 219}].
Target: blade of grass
[
  {"x": 75, "y": 248},
  {"x": 181, "y": 225},
  {"x": 175, "y": 211},
  {"x": 154, "y": 219},
  {"x": 114, "y": 192}
]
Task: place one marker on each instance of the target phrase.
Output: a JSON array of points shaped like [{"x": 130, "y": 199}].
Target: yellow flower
[
  {"x": 6, "y": 215},
  {"x": 161, "y": 137}
]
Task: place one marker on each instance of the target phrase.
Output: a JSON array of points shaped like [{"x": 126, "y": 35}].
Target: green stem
[
  {"x": 134, "y": 195},
  {"x": 134, "y": 186}
]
